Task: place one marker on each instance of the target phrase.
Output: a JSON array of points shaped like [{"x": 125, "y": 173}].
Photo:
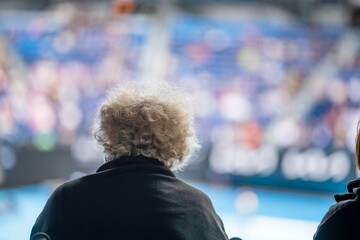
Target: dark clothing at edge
[
  {"x": 342, "y": 220},
  {"x": 129, "y": 198}
]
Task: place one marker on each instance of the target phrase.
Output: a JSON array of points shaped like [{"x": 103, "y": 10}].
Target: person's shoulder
[
  {"x": 340, "y": 219},
  {"x": 347, "y": 204},
  {"x": 345, "y": 207},
  {"x": 196, "y": 192},
  {"x": 72, "y": 184}
]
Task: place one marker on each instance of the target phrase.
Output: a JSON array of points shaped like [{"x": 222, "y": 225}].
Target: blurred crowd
[
  {"x": 245, "y": 76},
  {"x": 53, "y": 75},
  {"x": 248, "y": 77},
  {"x": 251, "y": 73}
]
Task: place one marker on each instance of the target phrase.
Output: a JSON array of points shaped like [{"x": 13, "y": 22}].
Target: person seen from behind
[
  {"x": 147, "y": 131},
  {"x": 342, "y": 220}
]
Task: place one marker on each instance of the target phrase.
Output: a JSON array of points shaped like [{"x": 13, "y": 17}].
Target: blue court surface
[
  {"x": 249, "y": 213},
  {"x": 262, "y": 214}
]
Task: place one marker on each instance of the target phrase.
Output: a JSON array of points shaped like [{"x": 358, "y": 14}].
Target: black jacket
[
  {"x": 129, "y": 198},
  {"x": 342, "y": 221}
]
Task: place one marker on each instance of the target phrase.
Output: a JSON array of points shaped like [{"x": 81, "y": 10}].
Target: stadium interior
[{"x": 275, "y": 85}]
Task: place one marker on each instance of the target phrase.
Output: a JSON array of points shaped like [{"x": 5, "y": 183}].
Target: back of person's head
[{"x": 154, "y": 119}]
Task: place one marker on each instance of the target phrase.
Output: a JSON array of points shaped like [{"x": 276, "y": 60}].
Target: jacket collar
[
  {"x": 353, "y": 188},
  {"x": 133, "y": 161}
]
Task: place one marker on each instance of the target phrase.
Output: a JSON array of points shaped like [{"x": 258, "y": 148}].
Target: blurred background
[{"x": 276, "y": 87}]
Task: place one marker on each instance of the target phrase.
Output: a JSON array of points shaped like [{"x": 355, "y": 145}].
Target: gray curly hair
[{"x": 153, "y": 119}]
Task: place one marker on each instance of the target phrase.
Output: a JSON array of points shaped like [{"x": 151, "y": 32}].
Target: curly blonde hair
[{"x": 153, "y": 119}]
